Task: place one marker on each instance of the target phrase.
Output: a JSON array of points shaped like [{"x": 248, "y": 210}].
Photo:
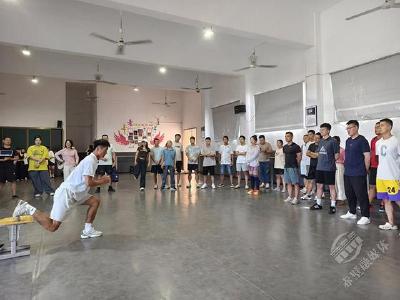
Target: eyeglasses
[{"x": 348, "y": 128}]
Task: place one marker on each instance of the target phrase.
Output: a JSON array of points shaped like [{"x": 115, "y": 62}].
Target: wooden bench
[{"x": 14, "y": 225}]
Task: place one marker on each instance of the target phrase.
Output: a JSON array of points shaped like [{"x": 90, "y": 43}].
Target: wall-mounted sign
[{"x": 311, "y": 116}]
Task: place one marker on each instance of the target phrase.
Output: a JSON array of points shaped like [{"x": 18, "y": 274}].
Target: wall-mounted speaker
[
  {"x": 59, "y": 124},
  {"x": 239, "y": 109}
]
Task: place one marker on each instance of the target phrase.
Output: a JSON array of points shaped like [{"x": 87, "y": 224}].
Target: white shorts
[
  {"x": 242, "y": 167},
  {"x": 64, "y": 201}
]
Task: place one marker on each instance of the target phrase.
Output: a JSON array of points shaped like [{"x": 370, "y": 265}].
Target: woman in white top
[
  {"x": 279, "y": 166},
  {"x": 52, "y": 163},
  {"x": 69, "y": 157},
  {"x": 252, "y": 161}
]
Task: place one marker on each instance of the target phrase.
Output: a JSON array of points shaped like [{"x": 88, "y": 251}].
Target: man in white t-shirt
[
  {"x": 72, "y": 192},
  {"x": 208, "y": 152},
  {"x": 106, "y": 164},
  {"x": 241, "y": 164},
  {"x": 178, "y": 158},
  {"x": 388, "y": 173},
  {"x": 226, "y": 161},
  {"x": 305, "y": 161},
  {"x": 193, "y": 153},
  {"x": 155, "y": 157}
]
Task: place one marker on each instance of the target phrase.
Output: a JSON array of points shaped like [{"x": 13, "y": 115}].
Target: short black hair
[
  {"x": 101, "y": 143},
  {"x": 192, "y": 138},
  {"x": 105, "y": 135},
  {"x": 225, "y": 137},
  {"x": 378, "y": 122},
  {"x": 326, "y": 125},
  {"x": 280, "y": 141},
  {"x": 242, "y": 136},
  {"x": 7, "y": 137},
  {"x": 388, "y": 121},
  {"x": 289, "y": 133},
  {"x": 354, "y": 122},
  {"x": 208, "y": 138},
  {"x": 262, "y": 136},
  {"x": 311, "y": 131},
  {"x": 37, "y": 137},
  {"x": 67, "y": 140},
  {"x": 177, "y": 135},
  {"x": 254, "y": 137},
  {"x": 337, "y": 138},
  {"x": 319, "y": 134}
]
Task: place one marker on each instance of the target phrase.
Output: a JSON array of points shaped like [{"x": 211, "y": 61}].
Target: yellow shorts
[{"x": 387, "y": 189}]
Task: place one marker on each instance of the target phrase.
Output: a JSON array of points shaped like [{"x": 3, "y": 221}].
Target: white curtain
[
  {"x": 225, "y": 121},
  {"x": 279, "y": 109},
  {"x": 369, "y": 91}
]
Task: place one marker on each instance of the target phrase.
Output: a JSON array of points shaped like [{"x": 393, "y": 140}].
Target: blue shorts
[
  {"x": 291, "y": 175},
  {"x": 226, "y": 169}
]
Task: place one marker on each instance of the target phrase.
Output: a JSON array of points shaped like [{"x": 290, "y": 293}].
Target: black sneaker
[
  {"x": 98, "y": 190},
  {"x": 332, "y": 210},
  {"x": 15, "y": 196},
  {"x": 110, "y": 189},
  {"x": 316, "y": 207}
]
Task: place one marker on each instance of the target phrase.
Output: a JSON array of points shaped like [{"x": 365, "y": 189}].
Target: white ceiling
[{"x": 280, "y": 26}]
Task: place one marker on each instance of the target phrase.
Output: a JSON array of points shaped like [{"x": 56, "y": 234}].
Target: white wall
[
  {"x": 117, "y": 104},
  {"x": 29, "y": 105}
]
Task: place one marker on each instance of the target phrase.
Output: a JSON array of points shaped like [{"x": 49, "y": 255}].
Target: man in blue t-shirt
[
  {"x": 327, "y": 154},
  {"x": 356, "y": 166}
]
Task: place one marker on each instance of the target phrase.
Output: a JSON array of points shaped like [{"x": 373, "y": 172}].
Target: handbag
[{"x": 114, "y": 175}]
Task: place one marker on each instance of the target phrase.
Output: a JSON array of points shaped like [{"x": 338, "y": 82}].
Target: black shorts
[
  {"x": 209, "y": 170},
  {"x": 311, "y": 173},
  {"x": 193, "y": 167},
  {"x": 7, "y": 172},
  {"x": 156, "y": 169},
  {"x": 372, "y": 176},
  {"x": 104, "y": 169},
  {"x": 325, "y": 177},
  {"x": 51, "y": 164},
  {"x": 278, "y": 171},
  {"x": 179, "y": 166}
]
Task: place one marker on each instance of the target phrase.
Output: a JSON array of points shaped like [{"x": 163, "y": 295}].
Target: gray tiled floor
[{"x": 218, "y": 244}]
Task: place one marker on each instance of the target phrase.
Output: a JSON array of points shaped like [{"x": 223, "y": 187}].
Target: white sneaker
[
  {"x": 213, "y": 186},
  {"x": 288, "y": 199},
  {"x": 267, "y": 185},
  {"x": 388, "y": 226},
  {"x": 348, "y": 215},
  {"x": 295, "y": 201},
  {"x": 142, "y": 189},
  {"x": 364, "y": 221},
  {"x": 38, "y": 195},
  {"x": 232, "y": 186},
  {"x": 237, "y": 186},
  {"x": 262, "y": 185},
  {"x": 276, "y": 189},
  {"x": 155, "y": 186},
  {"x": 204, "y": 186},
  {"x": 306, "y": 197},
  {"x": 20, "y": 209},
  {"x": 283, "y": 191},
  {"x": 92, "y": 233},
  {"x": 246, "y": 187}
]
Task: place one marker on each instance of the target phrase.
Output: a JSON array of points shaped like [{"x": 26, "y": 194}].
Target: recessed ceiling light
[
  {"x": 25, "y": 51},
  {"x": 162, "y": 70},
  {"x": 136, "y": 89},
  {"x": 208, "y": 33},
  {"x": 34, "y": 80}
]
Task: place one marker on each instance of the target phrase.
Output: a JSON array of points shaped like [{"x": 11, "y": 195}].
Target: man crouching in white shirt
[{"x": 72, "y": 192}]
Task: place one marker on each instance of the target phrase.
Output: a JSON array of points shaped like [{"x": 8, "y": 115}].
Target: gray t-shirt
[{"x": 327, "y": 148}]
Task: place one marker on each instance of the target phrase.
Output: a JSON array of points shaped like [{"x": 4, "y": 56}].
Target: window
[
  {"x": 369, "y": 91},
  {"x": 279, "y": 109},
  {"x": 225, "y": 121}
]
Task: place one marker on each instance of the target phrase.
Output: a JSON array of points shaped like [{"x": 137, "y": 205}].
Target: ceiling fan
[
  {"x": 98, "y": 78},
  {"x": 196, "y": 87},
  {"x": 166, "y": 103},
  {"x": 386, "y": 5},
  {"x": 253, "y": 63},
  {"x": 121, "y": 43}
]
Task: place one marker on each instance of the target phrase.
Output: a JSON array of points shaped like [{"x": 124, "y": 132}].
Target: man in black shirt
[
  {"x": 312, "y": 153},
  {"x": 8, "y": 160},
  {"x": 292, "y": 153}
]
